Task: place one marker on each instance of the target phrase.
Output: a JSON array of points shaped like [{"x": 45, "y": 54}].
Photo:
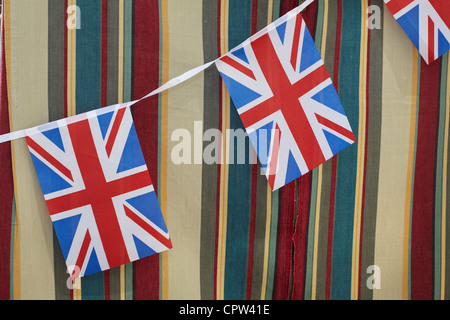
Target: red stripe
[
  {"x": 284, "y": 242},
  {"x": 238, "y": 66},
  {"x": 7, "y": 194},
  {"x": 148, "y": 228},
  {"x": 114, "y": 130},
  {"x": 333, "y": 126},
  {"x": 286, "y": 219},
  {"x": 146, "y": 75},
  {"x": 254, "y": 16},
  {"x": 47, "y": 156},
  {"x": 300, "y": 237},
  {"x": 423, "y": 196},
  {"x": 304, "y": 193}
]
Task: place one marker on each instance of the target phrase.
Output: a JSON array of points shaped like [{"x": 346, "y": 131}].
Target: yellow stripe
[
  {"x": 16, "y": 248},
  {"x": 319, "y": 171},
  {"x": 361, "y": 153},
  {"x": 71, "y": 104},
  {"x": 405, "y": 273},
  {"x": 444, "y": 186},
  {"x": 224, "y": 167},
  {"x": 268, "y": 204},
  {"x": 164, "y": 98}
]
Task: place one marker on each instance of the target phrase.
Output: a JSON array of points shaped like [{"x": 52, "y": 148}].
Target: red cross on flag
[{"x": 286, "y": 101}]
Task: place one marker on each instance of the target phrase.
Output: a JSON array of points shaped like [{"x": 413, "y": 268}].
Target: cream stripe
[
  {"x": 184, "y": 182},
  {"x": 164, "y": 140},
  {"x": 395, "y": 138},
  {"x": 30, "y": 107},
  {"x": 361, "y": 152},
  {"x": 410, "y": 174}
]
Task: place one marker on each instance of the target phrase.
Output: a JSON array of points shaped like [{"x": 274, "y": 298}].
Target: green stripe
[
  {"x": 211, "y": 118},
  {"x": 239, "y": 177},
  {"x": 272, "y": 245},
  {"x": 347, "y": 164},
  {"x": 373, "y": 152},
  {"x": 438, "y": 189},
  {"x": 88, "y": 96},
  {"x": 127, "y": 96}
]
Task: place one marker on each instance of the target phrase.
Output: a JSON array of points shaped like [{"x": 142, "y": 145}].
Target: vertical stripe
[
  {"x": 6, "y": 197},
  {"x": 163, "y": 132},
  {"x": 320, "y": 171},
  {"x": 146, "y": 76},
  {"x": 224, "y": 126},
  {"x": 239, "y": 175},
  {"x": 440, "y": 178},
  {"x": 88, "y": 95},
  {"x": 285, "y": 222},
  {"x": 393, "y": 159},
  {"x": 346, "y": 174},
  {"x": 334, "y": 161},
  {"x": 127, "y": 94},
  {"x": 445, "y": 101},
  {"x": 423, "y": 207},
  {"x": 374, "y": 86},
  {"x": 56, "y": 107},
  {"x": 209, "y": 171},
  {"x": 307, "y": 191},
  {"x": 184, "y": 259},
  {"x": 406, "y": 290},
  {"x": 329, "y": 52},
  {"x": 360, "y": 172},
  {"x": 446, "y": 238},
  {"x": 29, "y": 80},
  {"x": 89, "y": 58},
  {"x": 120, "y": 81}
]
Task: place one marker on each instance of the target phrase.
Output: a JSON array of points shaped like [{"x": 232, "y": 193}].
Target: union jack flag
[
  {"x": 427, "y": 24},
  {"x": 98, "y": 191},
  {"x": 286, "y": 101}
]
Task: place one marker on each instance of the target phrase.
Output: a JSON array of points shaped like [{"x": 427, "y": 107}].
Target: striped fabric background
[{"x": 381, "y": 202}]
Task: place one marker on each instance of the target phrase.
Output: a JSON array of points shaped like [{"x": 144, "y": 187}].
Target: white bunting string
[{"x": 170, "y": 84}]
